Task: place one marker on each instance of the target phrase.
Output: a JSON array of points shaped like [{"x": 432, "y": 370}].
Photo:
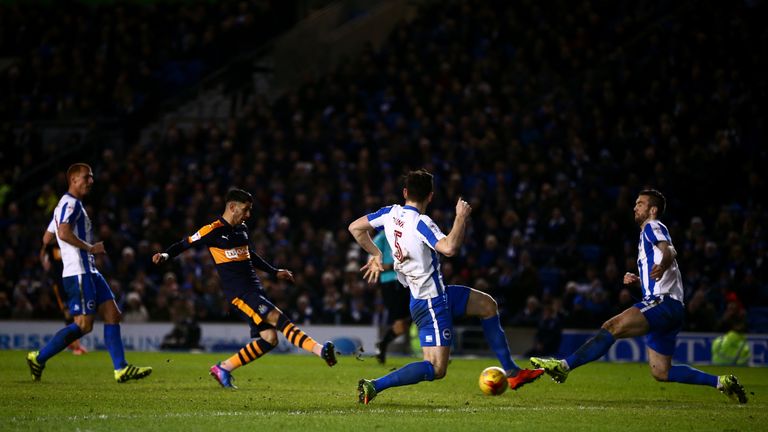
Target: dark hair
[
  {"x": 656, "y": 199},
  {"x": 238, "y": 195},
  {"x": 75, "y": 169},
  {"x": 419, "y": 184}
]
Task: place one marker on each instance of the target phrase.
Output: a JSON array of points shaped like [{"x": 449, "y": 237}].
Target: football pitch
[{"x": 299, "y": 392}]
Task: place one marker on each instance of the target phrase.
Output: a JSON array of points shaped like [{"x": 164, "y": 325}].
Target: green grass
[{"x": 283, "y": 392}]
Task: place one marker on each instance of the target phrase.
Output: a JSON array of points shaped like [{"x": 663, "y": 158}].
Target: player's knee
[
  {"x": 489, "y": 306},
  {"x": 85, "y": 327},
  {"x": 115, "y": 317},
  {"x": 659, "y": 374},
  {"x": 440, "y": 372},
  {"x": 270, "y": 338},
  {"x": 610, "y": 326}
]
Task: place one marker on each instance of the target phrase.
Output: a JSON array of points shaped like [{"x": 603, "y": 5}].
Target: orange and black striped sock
[
  {"x": 249, "y": 353},
  {"x": 294, "y": 334}
]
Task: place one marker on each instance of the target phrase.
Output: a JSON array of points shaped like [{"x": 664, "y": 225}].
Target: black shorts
[
  {"x": 253, "y": 307},
  {"x": 397, "y": 300}
]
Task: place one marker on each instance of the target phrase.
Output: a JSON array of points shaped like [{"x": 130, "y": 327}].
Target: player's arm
[
  {"x": 450, "y": 244},
  {"x": 668, "y": 254},
  {"x": 173, "y": 250},
  {"x": 66, "y": 234},
  {"x": 259, "y": 263},
  {"x": 361, "y": 231},
  {"x": 48, "y": 238},
  {"x": 631, "y": 279},
  {"x": 180, "y": 246},
  {"x": 381, "y": 243}
]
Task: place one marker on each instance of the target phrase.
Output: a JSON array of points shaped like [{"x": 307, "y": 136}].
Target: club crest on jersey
[
  {"x": 91, "y": 305},
  {"x": 447, "y": 334}
]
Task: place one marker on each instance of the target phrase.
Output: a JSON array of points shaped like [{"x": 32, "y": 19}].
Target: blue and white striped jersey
[
  {"x": 76, "y": 261},
  {"x": 412, "y": 237},
  {"x": 648, "y": 254}
]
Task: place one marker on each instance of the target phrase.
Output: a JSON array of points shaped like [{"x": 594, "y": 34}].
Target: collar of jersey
[{"x": 408, "y": 207}]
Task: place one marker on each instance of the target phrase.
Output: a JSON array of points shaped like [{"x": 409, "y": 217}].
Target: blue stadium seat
[
  {"x": 590, "y": 253},
  {"x": 549, "y": 278},
  {"x": 757, "y": 320}
]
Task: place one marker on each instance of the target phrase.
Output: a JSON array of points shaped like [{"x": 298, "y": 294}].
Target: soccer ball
[{"x": 493, "y": 381}]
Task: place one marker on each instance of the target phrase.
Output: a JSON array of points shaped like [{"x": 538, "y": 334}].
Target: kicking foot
[
  {"x": 365, "y": 391},
  {"x": 552, "y": 367},
  {"x": 730, "y": 386},
  {"x": 523, "y": 377}
]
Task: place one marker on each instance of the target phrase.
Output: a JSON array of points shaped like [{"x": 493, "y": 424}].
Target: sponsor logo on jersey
[{"x": 237, "y": 252}]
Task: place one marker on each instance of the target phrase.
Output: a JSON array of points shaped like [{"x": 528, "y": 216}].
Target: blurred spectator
[
  {"x": 186, "y": 331},
  {"x": 547, "y": 135},
  {"x": 549, "y": 332},
  {"x": 530, "y": 315},
  {"x": 134, "y": 310}
]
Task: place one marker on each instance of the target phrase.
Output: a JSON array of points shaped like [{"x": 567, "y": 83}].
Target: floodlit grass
[{"x": 284, "y": 392}]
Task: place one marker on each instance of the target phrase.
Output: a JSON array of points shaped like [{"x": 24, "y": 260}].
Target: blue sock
[
  {"x": 411, "y": 373},
  {"x": 688, "y": 375},
  {"x": 115, "y": 345},
  {"x": 60, "y": 340},
  {"x": 592, "y": 350},
  {"x": 495, "y": 337}
]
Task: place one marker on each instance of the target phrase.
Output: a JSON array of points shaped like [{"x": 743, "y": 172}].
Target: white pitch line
[{"x": 358, "y": 410}]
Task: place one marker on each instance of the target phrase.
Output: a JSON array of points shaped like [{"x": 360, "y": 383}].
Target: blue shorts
[
  {"x": 86, "y": 292},
  {"x": 253, "y": 307},
  {"x": 665, "y": 317},
  {"x": 434, "y": 317}
]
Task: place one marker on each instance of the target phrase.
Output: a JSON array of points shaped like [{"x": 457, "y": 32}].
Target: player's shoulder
[
  {"x": 655, "y": 230},
  {"x": 68, "y": 199},
  {"x": 383, "y": 211},
  {"x": 426, "y": 219},
  {"x": 207, "y": 229},
  {"x": 656, "y": 225}
]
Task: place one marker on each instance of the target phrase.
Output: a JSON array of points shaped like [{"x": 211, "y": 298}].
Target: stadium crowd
[
  {"x": 73, "y": 59},
  {"x": 548, "y": 120}
]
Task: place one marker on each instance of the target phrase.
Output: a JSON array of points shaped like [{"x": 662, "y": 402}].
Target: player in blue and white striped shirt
[
  {"x": 416, "y": 241},
  {"x": 659, "y": 315},
  {"x": 85, "y": 288}
]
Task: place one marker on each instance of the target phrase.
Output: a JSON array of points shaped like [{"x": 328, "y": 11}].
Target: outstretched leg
[
  {"x": 629, "y": 323},
  {"x": 433, "y": 367},
  {"x": 482, "y": 305},
  {"x": 663, "y": 370}
]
